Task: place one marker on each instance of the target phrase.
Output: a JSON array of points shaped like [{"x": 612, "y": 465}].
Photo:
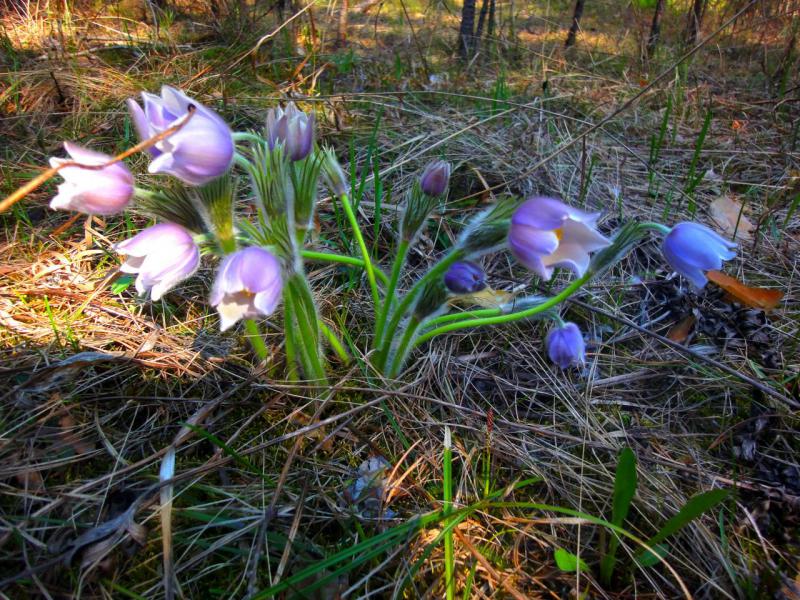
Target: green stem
[
  {"x": 397, "y": 267},
  {"x": 438, "y": 270},
  {"x": 254, "y": 335},
  {"x": 334, "y": 342},
  {"x": 402, "y": 347},
  {"x": 289, "y": 341},
  {"x": 463, "y": 316},
  {"x": 348, "y": 209},
  {"x": 447, "y": 485},
  {"x": 507, "y": 318},
  {"x": 345, "y": 260},
  {"x": 305, "y": 315},
  {"x": 246, "y": 136},
  {"x": 660, "y": 228}
]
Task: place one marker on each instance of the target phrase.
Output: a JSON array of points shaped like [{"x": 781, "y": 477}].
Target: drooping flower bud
[
  {"x": 163, "y": 255},
  {"x": 546, "y": 233},
  {"x": 248, "y": 283},
  {"x": 692, "y": 249},
  {"x": 334, "y": 175},
  {"x": 565, "y": 345},
  {"x": 103, "y": 191},
  {"x": 435, "y": 178},
  {"x": 201, "y": 150},
  {"x": 465, "y": 277},
  {"x": 293, "y": 128}
]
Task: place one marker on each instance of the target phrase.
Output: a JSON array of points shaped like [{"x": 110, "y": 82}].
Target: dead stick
[{"x": 37, "y": 181}]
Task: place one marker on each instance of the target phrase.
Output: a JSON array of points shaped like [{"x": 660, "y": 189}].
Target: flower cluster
[
  {"x": 261, "y": 260},
  {"x": 198, "y": 151}
]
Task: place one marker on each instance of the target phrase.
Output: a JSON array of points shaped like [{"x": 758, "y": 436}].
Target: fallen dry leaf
[
  {"x": 754, "y": 297},
  {"x": 680, "y": 331},
  {"x": 487, "y": 298},
  {"x": 728, "y": 214}
]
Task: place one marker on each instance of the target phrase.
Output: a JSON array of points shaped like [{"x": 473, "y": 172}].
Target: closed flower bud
[
  {"x": 162, "y": 255},
  {"x": 465, "y": 277},
  {"x": 103, "y": 191},
  {"x": 293, "y": 128},
  {"x": 692, "y": 249},
  {"x": 249, "y": 283},
  {"x": 431, "y": 299},
  {"x": 565, "y": 345},
  {"x": 201, "y": 150},
  {"x": 435, "y": 178},
  {"x": 546, "y": 233}
]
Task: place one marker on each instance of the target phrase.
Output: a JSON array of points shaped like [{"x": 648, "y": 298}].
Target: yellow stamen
[{"x": 559, "y": 233}]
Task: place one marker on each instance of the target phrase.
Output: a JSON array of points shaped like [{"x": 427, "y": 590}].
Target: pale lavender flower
[
  {"x": 248, "y": 283},
  {"x": 692, "y": 249},
  {"x": 546, "y": 233},
  {"x": 435, "y": 178},
  {"x": 565, "y": 345},
  {"x": 198, "y": 152},
  {"x": 163, "y": 255},
  {"x": 465, "y": 277},
  {"x": 103, "y": 191},
  {"x": 293, "y": 128}
]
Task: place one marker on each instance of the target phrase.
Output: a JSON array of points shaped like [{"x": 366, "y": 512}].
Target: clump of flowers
[{"x": 261, "y": 260}]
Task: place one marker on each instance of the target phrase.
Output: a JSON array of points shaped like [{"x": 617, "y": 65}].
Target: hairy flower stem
[
  {"x": 403, "y": 346},
  {"x": 348, "y": 209},
  {"x": 397, "y": 267},
  {"x": 345, "y": 260},
  {"x": 246, "y": 136},
  {"x": 256, "y": 341},
  {"x": 658, "y": 227},
  {"x": 507, "y": 318},
  {"x": 438, "y": 270},
  {"x": 305, "y": 320}
]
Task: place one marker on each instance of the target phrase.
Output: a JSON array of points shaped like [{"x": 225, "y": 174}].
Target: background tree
[
  {"x": 576, "y": 24},
  {"x": 695, "y": 21},
  {"x": 466, "y": 33},
  {"x": 655, "y": 28}
]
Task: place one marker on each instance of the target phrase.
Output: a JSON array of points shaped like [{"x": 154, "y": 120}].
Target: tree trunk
[
  {"x": 695, "y": 21},
  {"x": 490, "y": 28},
  {"x": 341, "y": 37},
  {"x": 576, "y": 24},
  {"x": 655, "y": 28},
  {"x": 466, "y": 33},
  {"x": 481, "y": 20}
]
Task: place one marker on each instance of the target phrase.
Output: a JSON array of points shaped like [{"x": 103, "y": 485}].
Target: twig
[{"x": 37, "y": 181}]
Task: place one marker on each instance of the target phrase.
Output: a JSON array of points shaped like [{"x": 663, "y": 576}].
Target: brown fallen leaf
[
  {"x": 680, "y": 331},
  {"x": 728, "y": 214},
  {"x": 754, "y": 297}
]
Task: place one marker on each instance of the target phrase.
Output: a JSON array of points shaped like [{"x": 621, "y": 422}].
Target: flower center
[{"x": 559, "y": 233}]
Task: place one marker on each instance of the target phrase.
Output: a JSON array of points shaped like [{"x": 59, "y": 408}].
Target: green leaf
[
  {"x": 122, "y": 284},
  {"x": 569, "y": 562},
  {"x": 694, "y": 507},
  {"x": 625, "y": 483},
  {"x": 648, "y": 559}
]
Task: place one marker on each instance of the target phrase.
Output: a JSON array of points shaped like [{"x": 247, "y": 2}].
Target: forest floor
[{"x": 97, "y": 384}]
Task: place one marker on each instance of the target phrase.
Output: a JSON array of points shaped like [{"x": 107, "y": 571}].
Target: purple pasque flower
[
  {"x": 103, "y": 191},
  {"x": 692, "y": 249},
  {"x": 248, "y": 283},
  {"x": 163, "y": 255},
  {"x": 293, "y": 128},
  {"x": 435, "y": 178},
  {"x": 198, "y": 152},
  {"x": 546, "y": 233},
  {"x": 565, "y": 345},
  {"x": 465, "y": 277}
]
